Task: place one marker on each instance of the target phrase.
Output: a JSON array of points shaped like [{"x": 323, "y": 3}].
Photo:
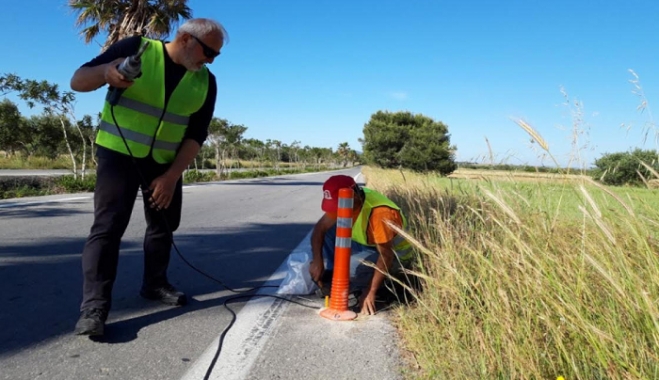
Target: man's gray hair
[{"x": 200, "y": 27}]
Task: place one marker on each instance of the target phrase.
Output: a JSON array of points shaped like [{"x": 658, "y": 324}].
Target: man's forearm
[
  {"x": 87, "y": 79},
  {"x": 383, "y": 265},
  {"x": 317, "y": 238},
  {"x": 187, "y": 153}
]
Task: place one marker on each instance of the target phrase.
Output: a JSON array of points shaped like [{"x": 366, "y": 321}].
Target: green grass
[
  {"x": 18, "y": 187},
  {"x": 530, "y": 280},
  {"x": 18, "y": 162}
]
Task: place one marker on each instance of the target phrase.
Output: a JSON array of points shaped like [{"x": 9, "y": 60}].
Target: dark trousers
[{"x": 117, "y": 184}]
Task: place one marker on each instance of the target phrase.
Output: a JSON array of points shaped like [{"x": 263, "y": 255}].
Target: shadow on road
[
  {"x": 10, "y": 213},
  {"x": 42, "y": 283}
]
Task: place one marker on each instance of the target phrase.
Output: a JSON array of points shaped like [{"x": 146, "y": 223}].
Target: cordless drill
[{"x": 130, "y": 68}]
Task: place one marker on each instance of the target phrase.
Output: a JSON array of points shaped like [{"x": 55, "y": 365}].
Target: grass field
[{"x": 529, "y": 279}]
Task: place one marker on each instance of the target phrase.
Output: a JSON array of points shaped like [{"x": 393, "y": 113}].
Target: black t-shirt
[{"x": 198, "y": 124}]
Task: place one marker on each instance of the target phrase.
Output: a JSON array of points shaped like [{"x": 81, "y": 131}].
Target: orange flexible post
[{"x": 338, "y": 305}]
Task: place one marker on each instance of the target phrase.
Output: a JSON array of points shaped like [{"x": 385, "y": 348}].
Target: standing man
[
  {"x": 163, "y": 117},
  {"x": 373, "y": 239}
]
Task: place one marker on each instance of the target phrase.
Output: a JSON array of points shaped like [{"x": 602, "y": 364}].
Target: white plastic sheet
[{"x": 298, "y": 280}]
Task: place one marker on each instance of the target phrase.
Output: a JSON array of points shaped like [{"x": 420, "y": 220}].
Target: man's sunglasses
[{"x": 208, "y": 52}]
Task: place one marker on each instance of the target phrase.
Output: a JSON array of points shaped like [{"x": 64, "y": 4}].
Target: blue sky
[{"x": 315, "y": 71}]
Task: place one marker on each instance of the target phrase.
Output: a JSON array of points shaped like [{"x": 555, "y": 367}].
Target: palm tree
[
  {"x": 343, "y": 151},
  {"x": 123, "y": 18}
]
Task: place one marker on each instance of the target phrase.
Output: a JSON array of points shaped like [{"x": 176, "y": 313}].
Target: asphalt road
[
  {"x": 238, "y": 231},
  {"x": 35, "y": 172},
  {"x": 60, "y": 172}
]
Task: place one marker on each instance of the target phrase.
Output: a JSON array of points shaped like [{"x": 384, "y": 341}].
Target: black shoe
[
  {"x": 166, "y": 294},
  {"x": 91, "y": 322}
]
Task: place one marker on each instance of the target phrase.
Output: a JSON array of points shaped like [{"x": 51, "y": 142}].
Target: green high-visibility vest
[
  {"x": 149, "y": 125},
  {"x": 374, "y": 199}
]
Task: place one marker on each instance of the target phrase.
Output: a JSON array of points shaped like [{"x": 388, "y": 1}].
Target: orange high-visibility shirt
[{"x": 378, "y": 231}]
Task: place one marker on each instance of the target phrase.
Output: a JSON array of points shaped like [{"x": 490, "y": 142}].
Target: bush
[
  {"x": 192, "y": 176},
  {"x": 69, "y": 184},
  {"x": 625, "y": 168},
  {"x": 17, "y": 187},
  {"x": 404, "y": 140}
]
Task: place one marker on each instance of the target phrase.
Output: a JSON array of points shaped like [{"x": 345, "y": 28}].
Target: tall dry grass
[
  {"x": 34, "y": 162},
  {"x": 529, "y": 284}
]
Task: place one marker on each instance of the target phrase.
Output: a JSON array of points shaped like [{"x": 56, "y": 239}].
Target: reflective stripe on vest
[
  {"x": 151, "y": 110},
  {"x": 374, "y": 199},
  {"x": 150, "y": 125},
  {"x": 403, "y": 248},
  {"x": 136, "y": 136}
]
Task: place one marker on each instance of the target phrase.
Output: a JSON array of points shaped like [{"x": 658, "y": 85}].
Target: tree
[
  {"x": 353, "y": 157},
  {"x": 274, "y": 151},
  {"x": 318, "y": 154},
  {"x": 54, "y": 102},
  {"x": 123, "y": 18},
  {"x": 384, "y": 138},
  {"x": 285, "y": 153},
  {"x": 305, "y": 156},
  {"x": 87, "y": 127},
  {"x": 343, "y": 151},
  {"x": 46, "y": 137},
  {"x": 232, "y": 140},
  {"x": 626, "y": 168},
  {"x": 225, "y": 139},
  {"x": 216, "y": 137},
  {"x": 256, "y": 149},
  {"x": 11, "y": 132},
  {"x": 294, "y": 149},
  {"x": 404, "y": 140},
  {"x": 427, "y": 149}
]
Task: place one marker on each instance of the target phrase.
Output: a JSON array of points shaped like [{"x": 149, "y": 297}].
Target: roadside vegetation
[
  {"x": 529, "y": 280},
  {"x": 28, "y": 186},
  {"x": 533, "y": 274}
]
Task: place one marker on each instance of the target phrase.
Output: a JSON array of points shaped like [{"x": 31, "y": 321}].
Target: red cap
[{"x": 331, "y": 189}]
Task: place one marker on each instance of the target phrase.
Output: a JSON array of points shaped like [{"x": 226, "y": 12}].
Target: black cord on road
[
  {"x": 146, "y": 192},
  {"x": 233, "y": 320},
  {"x": 227, "y": 287}
]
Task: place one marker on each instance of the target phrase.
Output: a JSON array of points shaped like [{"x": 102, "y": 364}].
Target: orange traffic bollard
[{"x": 338, "y": 304}]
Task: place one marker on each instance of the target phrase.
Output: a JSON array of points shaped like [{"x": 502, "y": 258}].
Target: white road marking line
[{"x": 255, "y": 324}]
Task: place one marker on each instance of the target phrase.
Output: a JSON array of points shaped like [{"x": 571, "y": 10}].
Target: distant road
[
  {"x": 30, "y": 172},
  {"x": 59, "y": 172}
]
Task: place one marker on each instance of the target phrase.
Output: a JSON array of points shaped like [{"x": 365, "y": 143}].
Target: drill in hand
[{"x": 130, "y": 68}]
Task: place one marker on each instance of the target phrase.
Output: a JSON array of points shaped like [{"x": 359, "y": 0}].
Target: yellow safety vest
[
  {"x": 374, "y": 199},
  {"x": 149, "y": 124}
]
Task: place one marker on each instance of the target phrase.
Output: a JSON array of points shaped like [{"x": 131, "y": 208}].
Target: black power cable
[{"x": 146, "y": 192}]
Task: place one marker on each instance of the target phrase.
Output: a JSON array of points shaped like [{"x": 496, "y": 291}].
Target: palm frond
[{"x": 123, "y": 18}]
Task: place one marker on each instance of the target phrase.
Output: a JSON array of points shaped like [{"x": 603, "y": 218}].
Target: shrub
[{"x": 625, "y": 168}]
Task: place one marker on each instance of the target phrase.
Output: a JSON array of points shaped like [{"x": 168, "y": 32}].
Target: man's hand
[
  {"x": 162, "y": 191},
  {"x": 367, "y": 303},
  {"x": 113, "y": 77},
  {"x": 316, "y": 269}
]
